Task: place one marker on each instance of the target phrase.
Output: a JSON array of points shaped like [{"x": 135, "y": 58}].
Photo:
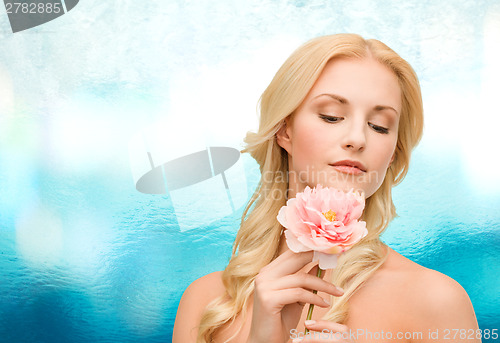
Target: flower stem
[{"x": 311, "y": 306}]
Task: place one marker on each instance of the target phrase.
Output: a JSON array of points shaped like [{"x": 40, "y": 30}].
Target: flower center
[{"x": 330, "y": 215}]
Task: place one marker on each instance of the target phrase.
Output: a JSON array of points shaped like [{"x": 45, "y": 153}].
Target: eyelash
[{"x": 377, "y": 128}]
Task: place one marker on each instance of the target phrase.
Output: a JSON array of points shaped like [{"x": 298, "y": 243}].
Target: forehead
[{"x": 360, "y": 80}]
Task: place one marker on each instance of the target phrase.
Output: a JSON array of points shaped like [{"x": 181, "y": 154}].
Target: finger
[
  {"x": 314, "y": 269},
  {"x": 336, "y": 332},
  {"x": 301, "y": 296},
  {"x": 326, "y": 324},
  {"x": 288, "y": 263},
  {"x": 307, "y": 281}
]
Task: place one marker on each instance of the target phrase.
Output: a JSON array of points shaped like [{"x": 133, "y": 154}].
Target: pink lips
[
  {"x": 349, "y": 167},
  {"x": 348, "y": 170}
]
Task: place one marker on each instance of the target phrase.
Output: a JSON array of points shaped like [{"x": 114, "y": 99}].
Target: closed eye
[
  {"x": 330, "y": 119},
  {"x": 380, "y": 129}
]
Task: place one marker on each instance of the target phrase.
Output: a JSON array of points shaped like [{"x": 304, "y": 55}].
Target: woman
[{"x": 342, "y": 112}]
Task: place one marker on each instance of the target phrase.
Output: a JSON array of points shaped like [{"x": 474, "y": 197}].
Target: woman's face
[{"x": 351, "y": 113}]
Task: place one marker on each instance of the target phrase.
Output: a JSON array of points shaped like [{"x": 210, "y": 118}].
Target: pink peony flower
[{"x": 324, "y": 220}]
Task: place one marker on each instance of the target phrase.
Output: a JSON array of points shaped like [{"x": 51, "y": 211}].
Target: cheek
[
  {"x": 311, "y": 144},
  {"x": 302, "y": 151},
  {"x": 385, "y": 152}
]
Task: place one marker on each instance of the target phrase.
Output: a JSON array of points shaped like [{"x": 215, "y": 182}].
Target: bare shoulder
[
  {"x": 432, "y": 300},
  {"x": 210, "y": 284},
  {"x": 445, "y": 301},
  {"x": 193, "y": 301}
]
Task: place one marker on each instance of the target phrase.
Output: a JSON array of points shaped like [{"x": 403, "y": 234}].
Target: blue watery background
[{"x": 86, "y": 257}]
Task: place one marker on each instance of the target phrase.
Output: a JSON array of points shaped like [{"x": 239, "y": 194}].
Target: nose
[{"x": 354, "y": 138}]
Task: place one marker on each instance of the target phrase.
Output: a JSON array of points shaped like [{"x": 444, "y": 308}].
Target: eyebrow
[{"x": 344, "y": 101}]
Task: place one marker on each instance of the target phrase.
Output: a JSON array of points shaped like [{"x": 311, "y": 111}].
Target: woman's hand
[
  {"x": 282, "y": 288},
  {"x": 323, "y": 331}
]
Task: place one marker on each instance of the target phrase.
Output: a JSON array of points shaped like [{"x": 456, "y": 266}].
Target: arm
[
  {"x": 446, "y": 311},
  {"x": 191, "y": 306}
]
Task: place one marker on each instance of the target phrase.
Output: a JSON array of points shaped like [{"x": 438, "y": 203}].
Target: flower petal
[
  {"x": 293, "y": 243},
  {"x": 358, "y": 232},
  {"x": 326, "y": 261},
  {"x": 282, "y": 216},
  {"x": 334, "y": 250},
  {"x": 314, "y": 215}
]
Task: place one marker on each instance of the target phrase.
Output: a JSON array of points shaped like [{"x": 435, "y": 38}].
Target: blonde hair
[{"x": 258, "y": 238}]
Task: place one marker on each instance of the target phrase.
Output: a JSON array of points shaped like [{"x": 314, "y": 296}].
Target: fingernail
[
  {"x": 310, "y": 322},
  {"x": 297, "y": 340},
  {"x": 327, "y": 301},
  {"x": 340, "y": 289}
]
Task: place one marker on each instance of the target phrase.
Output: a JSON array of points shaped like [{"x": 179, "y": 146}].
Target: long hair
[{"x": 258, "y": 238}]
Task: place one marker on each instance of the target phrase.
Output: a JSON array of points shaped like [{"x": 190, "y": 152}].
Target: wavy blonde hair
[{"x": 258, "y": 238}]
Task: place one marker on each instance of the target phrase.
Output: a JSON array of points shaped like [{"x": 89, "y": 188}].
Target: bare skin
[{"x": 401, "y": 298}]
